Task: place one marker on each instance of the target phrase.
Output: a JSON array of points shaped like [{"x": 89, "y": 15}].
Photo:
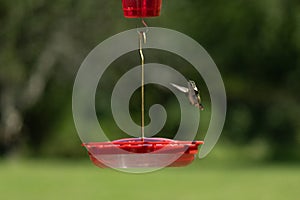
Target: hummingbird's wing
[{"x": 180, "y": 88}]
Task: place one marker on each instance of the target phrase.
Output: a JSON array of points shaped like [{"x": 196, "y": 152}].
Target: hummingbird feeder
[{"x": 142, "y": 152}]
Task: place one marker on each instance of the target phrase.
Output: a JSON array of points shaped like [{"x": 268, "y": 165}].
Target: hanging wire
[{"x": 142, "y": 40}]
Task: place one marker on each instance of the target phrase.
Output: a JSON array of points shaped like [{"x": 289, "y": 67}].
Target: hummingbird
[{"x": 192, "y": 93}]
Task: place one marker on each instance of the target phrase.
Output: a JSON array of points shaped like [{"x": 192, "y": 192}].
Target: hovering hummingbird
[{"x": 192, "y": 92}]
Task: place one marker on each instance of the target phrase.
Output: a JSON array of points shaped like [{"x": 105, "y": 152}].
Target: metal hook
[
  {"x": 144, "y": 23},
  {"x": 143, "y": 32}
]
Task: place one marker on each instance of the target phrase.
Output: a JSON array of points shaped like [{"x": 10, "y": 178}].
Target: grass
[{"x": 204, "y": 179}]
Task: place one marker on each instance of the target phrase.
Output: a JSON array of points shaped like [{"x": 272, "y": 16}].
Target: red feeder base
[
  {"x": 138, "y": 153},
  {"x": 141, "y": 8}
]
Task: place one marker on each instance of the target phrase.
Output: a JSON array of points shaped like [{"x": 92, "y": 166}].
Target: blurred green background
[{"x": 255, "y": 44}]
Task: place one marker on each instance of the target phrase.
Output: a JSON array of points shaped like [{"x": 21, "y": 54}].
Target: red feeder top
[{"x": 141, "y": 8}]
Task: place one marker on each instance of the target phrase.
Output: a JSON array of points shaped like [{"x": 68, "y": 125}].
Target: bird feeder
[{"x": 142, "y": 152}]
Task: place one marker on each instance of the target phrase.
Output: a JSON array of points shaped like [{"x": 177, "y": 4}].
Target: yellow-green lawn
[{"x": 204, "y": 179}]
